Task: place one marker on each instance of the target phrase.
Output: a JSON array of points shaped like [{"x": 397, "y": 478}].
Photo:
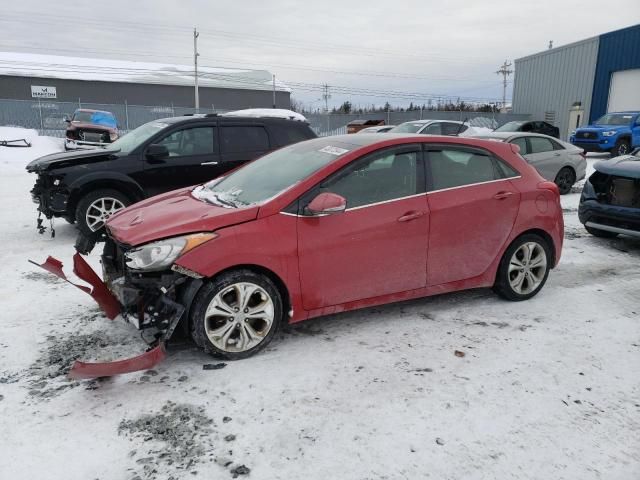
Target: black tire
[
  {"x": 600, "y": 233},
  {"x": 502, "y": 284},
  {"x": 85, "y": 203},
  {"x": 208, "y": 292},
  {"x": 565, "y": 179},
  {"x": 622, "y": 148}
]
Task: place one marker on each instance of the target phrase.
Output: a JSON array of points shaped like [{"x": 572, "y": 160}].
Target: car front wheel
[
  {"x": 236, "y": 315},
  {"x": 621, "y": 148},
  {"x": 96, "y": 207},
  {"x": 524, "y": 268}
]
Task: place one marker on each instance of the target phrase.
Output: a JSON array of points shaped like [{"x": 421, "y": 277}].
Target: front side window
[
  {"x": 449, "y": 128},
  {"x": 540, "y": 145},
  {"x": 452, "y": 167},
  {"x": 433, "y": 129},
  {"x": 377, "y": 178},
  {"x": 190, "y": 141},
  {"x": 244, "y": 138}
]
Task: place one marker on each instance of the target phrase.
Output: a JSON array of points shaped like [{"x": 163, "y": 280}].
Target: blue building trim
[{"x": 619, "y": 50}]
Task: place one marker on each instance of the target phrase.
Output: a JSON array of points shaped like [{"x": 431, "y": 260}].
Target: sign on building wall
[{"x": 39, "y": 91}]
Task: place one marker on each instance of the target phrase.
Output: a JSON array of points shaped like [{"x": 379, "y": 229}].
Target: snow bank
[
  {"x": 267, "y": 112},
  {"x": 12, "y": 157}
]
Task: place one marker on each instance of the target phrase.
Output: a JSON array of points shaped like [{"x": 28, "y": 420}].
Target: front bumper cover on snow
[{"x": 145, "y": 307}]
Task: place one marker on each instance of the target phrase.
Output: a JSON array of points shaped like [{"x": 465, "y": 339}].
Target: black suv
[{"x": 88, "y": 186}]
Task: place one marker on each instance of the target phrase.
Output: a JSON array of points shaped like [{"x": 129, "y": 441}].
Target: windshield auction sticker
[{"x": 333, "y": 150}]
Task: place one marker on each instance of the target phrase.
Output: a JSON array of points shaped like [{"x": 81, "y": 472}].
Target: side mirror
[
  {"x": 67, "y": 119},
  {"x": 327, "y": 203},
  {"x": 157, "y": 152}
]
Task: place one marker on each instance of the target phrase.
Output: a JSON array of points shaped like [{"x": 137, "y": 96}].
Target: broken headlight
[{"x": 161, "y": 254}]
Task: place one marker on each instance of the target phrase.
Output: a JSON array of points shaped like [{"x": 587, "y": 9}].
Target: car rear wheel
[
  {"x": 524, "y": 268},
  {"x": 236, "y": 315},
  {"x": 565, "y": 179},
  {"x": 621, "y": 148},
  {"x": 96, "y": 207},
  {"x": 600, "y": 233}
]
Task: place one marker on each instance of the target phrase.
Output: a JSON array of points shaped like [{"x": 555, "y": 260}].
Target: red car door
[
  {"x": 378, "y": 245},
  {"x": 473, "y": 207}
]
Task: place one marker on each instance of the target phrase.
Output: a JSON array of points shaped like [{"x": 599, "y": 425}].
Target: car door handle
[
  {"x": 502, "y": 195},
  {"x": 209, "y": 163},
  {"x": 407, "y": 217}
]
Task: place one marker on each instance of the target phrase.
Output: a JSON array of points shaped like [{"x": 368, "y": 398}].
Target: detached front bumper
[{"x": 155, "y": 302}]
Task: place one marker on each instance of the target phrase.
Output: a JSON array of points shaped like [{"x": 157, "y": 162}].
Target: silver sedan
[{"x": 554, "y": 159}]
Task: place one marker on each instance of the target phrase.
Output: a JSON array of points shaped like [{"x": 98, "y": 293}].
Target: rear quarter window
[
  {"x": 282, "y": 135},
  {"x": 243, "y": 138}
]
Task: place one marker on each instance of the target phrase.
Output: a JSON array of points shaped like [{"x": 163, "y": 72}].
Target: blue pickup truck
[{"x": 616, "y": 133}]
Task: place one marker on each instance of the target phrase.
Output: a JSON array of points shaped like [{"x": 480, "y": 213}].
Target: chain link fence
[
  {"x": 48, "y": 116},
  {"x": 336, "y": 123}
]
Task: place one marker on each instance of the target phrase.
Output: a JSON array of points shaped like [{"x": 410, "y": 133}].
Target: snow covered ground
[{"x": 546, "y": 389}]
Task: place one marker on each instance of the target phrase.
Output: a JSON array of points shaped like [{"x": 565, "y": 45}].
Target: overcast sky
[{"x": 436, "y": 47}]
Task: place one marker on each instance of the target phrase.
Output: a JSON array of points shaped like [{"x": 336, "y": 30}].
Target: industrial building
[
  {"x": 575, "y": 84},
  {"x": 98, "y": 81}
]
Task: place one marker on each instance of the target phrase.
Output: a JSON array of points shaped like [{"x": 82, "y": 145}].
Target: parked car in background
[
  {"x": 299, "y": 234},
  {"x": 616, "y": 133},
  {"x": 378, "y": 129},
  {"x": 89, "y": 186},
  {"x": 90, "y": 129},
  {"x": 355, "y": 126},
  {"x": 431, "y": 127},
  {"x": 530, "y": 127},
  {"x": 554, "y": 159},
  {"x": 610, "y": 200}
]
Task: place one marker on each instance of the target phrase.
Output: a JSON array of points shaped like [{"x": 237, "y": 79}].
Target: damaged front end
[
  {"x": 610, "y": 199},
  {"x": 151, "y": 301}
]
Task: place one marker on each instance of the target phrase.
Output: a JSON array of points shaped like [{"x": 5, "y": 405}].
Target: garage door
[{"x": 624, "y": 93}]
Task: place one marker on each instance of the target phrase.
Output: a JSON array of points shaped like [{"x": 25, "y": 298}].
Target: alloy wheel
[
  {"x": 527, "y": 268},
  {"x": 239, "y": 317},
  {"x": 100, "y": 210}
]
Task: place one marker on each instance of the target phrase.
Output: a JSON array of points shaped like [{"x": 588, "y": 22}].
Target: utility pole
[
  {"x": 505, "y": 72},
  {"x": 326, "y": 96},
  {"x": 274, "y": 91},
  {"x": 195, "y": 65}
]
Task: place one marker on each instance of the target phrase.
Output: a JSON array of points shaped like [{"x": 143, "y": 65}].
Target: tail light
[{"x": 549, "y": 186}]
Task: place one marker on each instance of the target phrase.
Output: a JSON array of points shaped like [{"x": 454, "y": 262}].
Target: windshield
[
  {"x": 614, "y": 119},
  {"x": 129, "y": 142},
  {"x": 97, "y": 117},
  {"x": 408, "y": 127},
  {"x": 509, "y": 127},
  {"x": 264, "y": 178}
]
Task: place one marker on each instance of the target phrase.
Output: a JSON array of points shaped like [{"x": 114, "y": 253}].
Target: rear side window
[
  {"x": 282, "y": 135},
  {"x": 522, "y": 143},
  {"x": 540, "y": 145},
  {"x": 243, "y": 138},
  {"x": 452, "y": 167},
  {"x": 433, "y": 129}
]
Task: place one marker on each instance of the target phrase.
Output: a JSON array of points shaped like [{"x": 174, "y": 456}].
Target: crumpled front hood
[
  {"x": 172, "y": 214},
  {"x": 61, "y": 159},
  {"x": 623, "y": 166}
]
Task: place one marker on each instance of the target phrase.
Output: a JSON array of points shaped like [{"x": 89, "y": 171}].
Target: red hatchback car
[{"x": 330, "y": 225}]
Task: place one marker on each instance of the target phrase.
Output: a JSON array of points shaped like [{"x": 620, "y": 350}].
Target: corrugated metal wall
[
  {"x": 553, "y": 80},
  {"x": 619, "y": 50}
]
